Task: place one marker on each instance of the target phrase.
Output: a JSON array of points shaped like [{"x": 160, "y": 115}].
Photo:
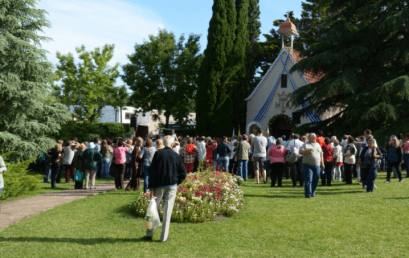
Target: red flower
[
  {"x": 219, "y": 197},
  {"x": 199, "y": 193}
]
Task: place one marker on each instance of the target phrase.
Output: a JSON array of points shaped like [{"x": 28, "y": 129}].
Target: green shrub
[
  {"x": 85, "y": 131},
  {"x": 114, "y": 130},
  {"x": 16, "y": 180}
]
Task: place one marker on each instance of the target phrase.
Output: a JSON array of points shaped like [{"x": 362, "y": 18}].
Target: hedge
[
  {"x": 190, "y": 131},
  {"x": 85, "y": 131},
  {"x": 16, "y": 180}
]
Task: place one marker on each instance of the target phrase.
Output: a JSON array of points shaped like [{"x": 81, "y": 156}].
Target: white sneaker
[
  {"x": 400, "y": 181},
  {"x": 387, "y": 181}
]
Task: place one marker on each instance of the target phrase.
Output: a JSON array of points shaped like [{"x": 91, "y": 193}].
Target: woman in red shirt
[
  {"x": 210, "y": 146},
  {"x": 328, "y": 151}
]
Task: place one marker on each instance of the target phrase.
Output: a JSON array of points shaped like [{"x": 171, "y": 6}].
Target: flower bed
[{"x": 201, "y": 197}]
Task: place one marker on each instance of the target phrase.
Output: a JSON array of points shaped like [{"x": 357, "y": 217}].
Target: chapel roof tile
[{"x": 310, "y": 76}]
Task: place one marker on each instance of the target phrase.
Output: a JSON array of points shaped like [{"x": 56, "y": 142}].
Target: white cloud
[{"x": 94, "y": 23}]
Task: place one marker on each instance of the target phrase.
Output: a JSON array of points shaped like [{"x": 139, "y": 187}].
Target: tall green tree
[
  {"x": 314, "y": 17},
  {"x": 213, "y": 101},
  {"x": 25, "y": 118},
  {"x": 364, "y": 57},
  {"x": 89, "y": 86},
  {"x": 241, "y": 82},
  {"x": 254, "y": 50},
  {"x": 163, "y": 74}
]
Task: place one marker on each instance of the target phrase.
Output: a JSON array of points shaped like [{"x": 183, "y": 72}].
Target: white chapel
[{"x": 269, "y": 106}]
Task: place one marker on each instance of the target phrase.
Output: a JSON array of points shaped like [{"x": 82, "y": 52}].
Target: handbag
[
  {"x": 292, "y": 156},
  {"x": 79, "y": 176}
]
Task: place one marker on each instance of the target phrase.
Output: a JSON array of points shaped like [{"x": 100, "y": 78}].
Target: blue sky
[{"x": 126, "y": 22}]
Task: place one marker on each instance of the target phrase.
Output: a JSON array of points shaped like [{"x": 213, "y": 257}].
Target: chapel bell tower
[{"x": 287, "y": 29}]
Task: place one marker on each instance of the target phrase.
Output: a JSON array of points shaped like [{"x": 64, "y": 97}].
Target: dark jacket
[
  {"x": 77, "y": 162},
  {"x": 136, "y": 163},
  {"x": 223, "y": 149},
  {"x": 392, "y": 158},
  {"x": 166, "y": 169},
  {"x": 90, "y": 157},
  {"x": 372, "y": 160}
]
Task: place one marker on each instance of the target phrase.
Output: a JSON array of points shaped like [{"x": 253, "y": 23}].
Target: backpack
[{"x": 292, "y": 156}]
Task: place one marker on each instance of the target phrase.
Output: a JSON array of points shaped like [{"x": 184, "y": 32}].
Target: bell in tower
[{"x": 287, "y": 29}]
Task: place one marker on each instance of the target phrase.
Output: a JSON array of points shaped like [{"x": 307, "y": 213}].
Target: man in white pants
[{"x": 166, "y": 173}]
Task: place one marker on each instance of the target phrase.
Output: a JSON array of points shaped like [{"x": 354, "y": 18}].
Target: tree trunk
[{"x": 167, "y": 121}]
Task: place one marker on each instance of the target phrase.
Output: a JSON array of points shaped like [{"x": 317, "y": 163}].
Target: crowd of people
[
  {"x": 305, "y": 159},
  {"x": 163, "y": 162}
]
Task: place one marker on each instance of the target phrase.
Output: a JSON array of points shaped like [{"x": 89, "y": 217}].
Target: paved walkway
[{"x": 14, "y": 211}]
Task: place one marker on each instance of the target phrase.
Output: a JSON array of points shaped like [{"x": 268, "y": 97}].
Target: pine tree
[
  {"x": 364, "y": 56},
  {"x": 254, "y": 24},
  {"x": 253, "y": 56},
  {"x": 254, "y": 50},
  {"x": 240, "y": 88},
  {"x": 214, "y": 102},
  {"x": 25, "y": 120},
  {"x": 314, "y": 17}
]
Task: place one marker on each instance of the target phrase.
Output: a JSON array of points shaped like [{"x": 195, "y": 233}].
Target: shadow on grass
[
  {"x": 397, "y": 198},
  {"x": 300, "y": 194},
  {"x": 282, "y": 196},
  {"x": 81, "y": 241}
]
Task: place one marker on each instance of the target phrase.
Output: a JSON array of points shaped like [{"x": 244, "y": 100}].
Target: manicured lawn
[
  {"x": 341, "y": 221},
  {"x": 46, "y": 188}
]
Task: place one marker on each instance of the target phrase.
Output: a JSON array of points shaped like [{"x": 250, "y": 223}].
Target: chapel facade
[{"x": 269, "y": 105}]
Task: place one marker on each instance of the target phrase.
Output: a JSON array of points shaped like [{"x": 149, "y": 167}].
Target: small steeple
[{"x": 287, "y": 29}]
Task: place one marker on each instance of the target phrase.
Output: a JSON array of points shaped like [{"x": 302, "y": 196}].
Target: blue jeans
[
  {"x": 368, "y": 176},
  {"x": 267, "y": 167},
  {"x": 224, "y": 163},
  {"x": 406, "y": 159},
  {"x": 105, "y": 165},
  {"x": 46, "y": 171},
  {"x": 242, "y": 168},
  {"x": 145, "y": 178},
  {"x": 54, "y": 172},
  {"x": 311, "y": 176},
  {"x": 112, "y": 170},
  {"x": 383, "y": 163}
]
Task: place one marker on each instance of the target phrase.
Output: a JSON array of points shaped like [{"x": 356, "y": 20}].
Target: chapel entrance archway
[
  {"x": 281, "y": 125},
  {"x": 252, "y": 128}
]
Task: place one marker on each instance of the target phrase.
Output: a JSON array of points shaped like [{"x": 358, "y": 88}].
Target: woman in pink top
[
  {"x": 120, "y": 163},
  {"x": 277, "y": 162}
]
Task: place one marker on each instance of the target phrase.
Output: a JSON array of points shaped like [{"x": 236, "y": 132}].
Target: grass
[
  {"x": 341, "y": 221},
  {"x": 46, "y": 187}
]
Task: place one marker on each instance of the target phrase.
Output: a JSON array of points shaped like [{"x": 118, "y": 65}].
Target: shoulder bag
[{"x": 79, "y": 176}]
